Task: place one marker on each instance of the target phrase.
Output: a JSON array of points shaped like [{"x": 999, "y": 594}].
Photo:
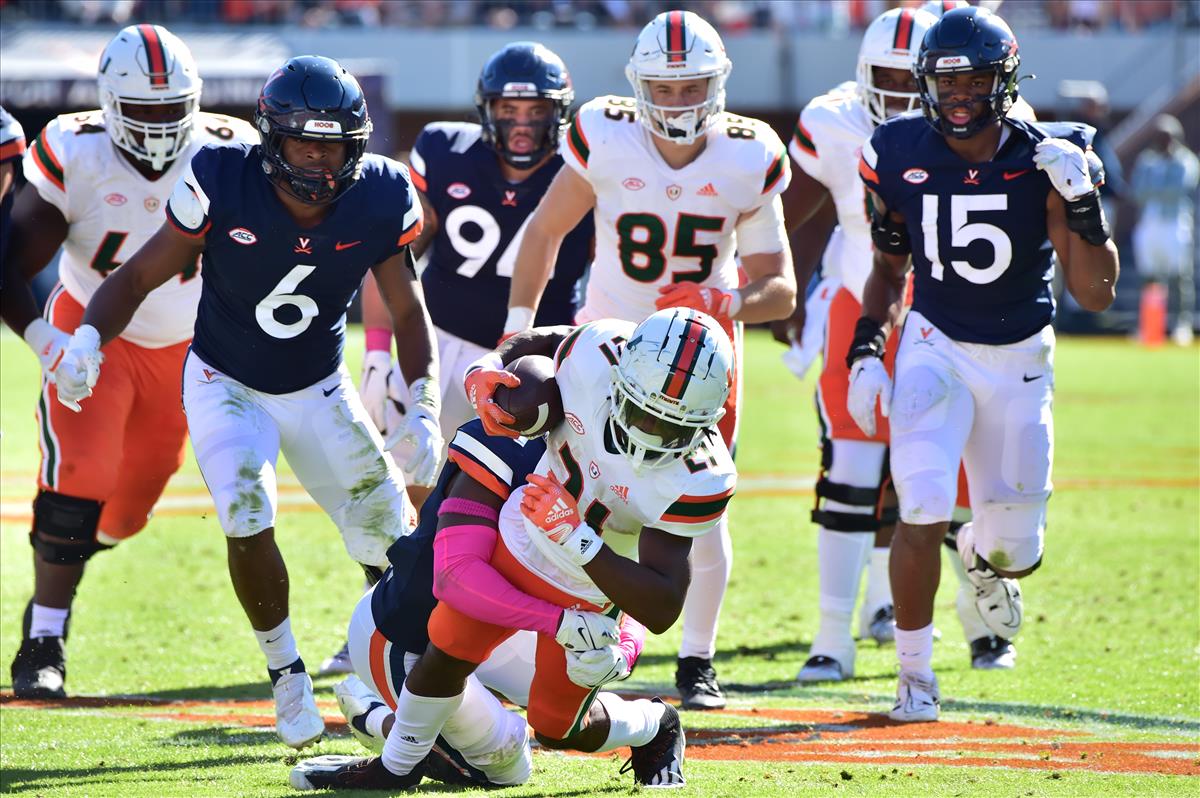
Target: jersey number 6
[{"x": 281, "y": 294}]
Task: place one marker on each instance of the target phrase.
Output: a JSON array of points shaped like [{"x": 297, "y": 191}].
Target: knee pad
[
  {"x": 64, "y": 528},
  {"x": 1009, "y": 537}
]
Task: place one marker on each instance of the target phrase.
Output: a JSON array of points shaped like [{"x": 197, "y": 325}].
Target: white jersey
[
  {"x": 685, "y": 498},
  {"x": 112, "y": 210},
  {"x": 656, "y": 225}
]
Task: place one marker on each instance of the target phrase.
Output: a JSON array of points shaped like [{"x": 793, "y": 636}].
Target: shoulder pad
[
  {"x": 218, "y": 128},
  {"x": 1077, "y": 133},
  {"x": 499, "y": 464},
  {"x": 48, "y": 157},
  {"x": 591, "y": 127}
]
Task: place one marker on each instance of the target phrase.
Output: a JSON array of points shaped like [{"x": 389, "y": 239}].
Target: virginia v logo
[{"x": 304, "y": 247}]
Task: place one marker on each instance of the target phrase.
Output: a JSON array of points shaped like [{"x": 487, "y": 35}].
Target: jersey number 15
[{"x": 963, "y": 233}]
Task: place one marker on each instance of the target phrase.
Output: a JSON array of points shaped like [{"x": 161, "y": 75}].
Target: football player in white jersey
[
  {"x": 628, "y": 479},
  {"x": 677, "y": 185},
  {"x": 98, "y": 183}
]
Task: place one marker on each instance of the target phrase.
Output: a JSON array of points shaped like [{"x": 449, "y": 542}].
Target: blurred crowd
[{"x": 730, "y": 16}]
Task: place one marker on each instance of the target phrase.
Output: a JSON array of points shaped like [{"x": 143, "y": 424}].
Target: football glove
[
  {"x": 869, "y": 381},
  {"x": 373, "y": 388},
  {"x": 579, "y": 631},
  {"x": 597, "y": 667},
  {"x": 420, "y": 440},
  {"x": 480, "y": 384},
  {"x": 79, "y": 369},
  {"x": 721, "y": 305},
  {"x": 48, "y": 343},
  {"x": 1067, "y": 167},
  {"x": 548, "y": 506}
]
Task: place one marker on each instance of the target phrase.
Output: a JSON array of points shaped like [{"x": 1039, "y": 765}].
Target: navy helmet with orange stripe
[
  {"x": 967, "y": 40},
  {"x": 312, "y": 97},
  {"x": 669, "y": 386},
  {"x": 149, "y": 93},
  {"x": 890, "y": 42},
  {"x": 524, "y": 71}
]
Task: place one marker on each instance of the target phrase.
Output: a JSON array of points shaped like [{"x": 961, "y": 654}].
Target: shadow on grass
[{"x": 43, "y": 779}]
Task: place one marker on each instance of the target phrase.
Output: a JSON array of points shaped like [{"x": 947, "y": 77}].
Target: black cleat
[
  {"x": 697, "y": 684},
  {"x": 334, "y": 771},
  {"x": 445, "y": 764},
  {"x": 993, "y": 654},
  {"x": 659, "y": 763},
  {"x": 39, "y": 671}
]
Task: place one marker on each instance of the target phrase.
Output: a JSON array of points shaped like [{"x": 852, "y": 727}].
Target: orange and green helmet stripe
[
  {"x": 676, "y": 38},
  {"x": 694, "y": 335},
  {"x": 902, "y": 39},
  {"x": 156, "y": 56}
]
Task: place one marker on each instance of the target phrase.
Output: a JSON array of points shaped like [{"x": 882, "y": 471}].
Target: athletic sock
[
  {"x": 712, "y": 560},
  {"x": 840, "y": 558},
  {"x": 419, "y": 720},
  {"x": 47, "y": 621},
  {"x": 879, "y": 585},
  {"x": 278, "y": 645},
  {"x": 631, "y": 723},
  {"x": 914, "y": 649}
]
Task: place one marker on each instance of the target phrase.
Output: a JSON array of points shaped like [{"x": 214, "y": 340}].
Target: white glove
[
  {"x": 579, "y": 631},
  {"x": 420, "y": 439},
  {"x": 373, "y": 388},
  {"x": 76, "y": 375},
  {"x": 1067, "y": 167},
  {"x": 868, "y": 380},
  {"x": 597, "y": 667},
  {"x": 48, "y": 343}
]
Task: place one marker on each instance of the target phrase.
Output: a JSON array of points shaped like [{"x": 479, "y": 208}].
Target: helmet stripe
[
  {"x": 156, "y": 56},
  {"x": 675, "y": 38},
  {"x": 904, "y": 29},
  {"x": 686, "y": 357}
]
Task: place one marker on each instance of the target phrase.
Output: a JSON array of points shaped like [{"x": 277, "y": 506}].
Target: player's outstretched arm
[
  {"x": 416, "y": 346},
  {"x": 563, "y": 206},
  {"x": 1090, "y": 269},
  {"x": 652, "y": 589},
  {"x": 534, "y": 341},
  {"x": 37, "y": 230},
  {"x": 165, "y": 256}
]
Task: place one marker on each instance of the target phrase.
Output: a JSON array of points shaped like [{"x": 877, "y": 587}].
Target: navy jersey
[
  {"x": 982, "y": 258},
  {"x": 403, "y": 600},
  {"x": 481, "y": 217},
  {"x": 272, "y": 311},
  {"x": 12, "y": 145}
]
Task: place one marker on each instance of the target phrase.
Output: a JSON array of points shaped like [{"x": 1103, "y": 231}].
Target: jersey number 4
[
  {"x": 964, "y": 233},
  {"x": 477, "y": 253},
  {"x": 105, "y": 259}
]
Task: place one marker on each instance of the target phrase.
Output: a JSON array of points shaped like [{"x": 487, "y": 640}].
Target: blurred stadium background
[{"x": 1113, "y": 63}]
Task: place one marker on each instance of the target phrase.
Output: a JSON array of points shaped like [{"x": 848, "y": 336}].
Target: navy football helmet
[
  {"x": 312, "y": 97},
  {"x": 524, "y": 70},
  {"x": 970, "y": 39}
]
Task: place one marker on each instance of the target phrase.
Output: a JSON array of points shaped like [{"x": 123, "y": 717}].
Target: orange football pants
[{"x": 130, "y": 436}]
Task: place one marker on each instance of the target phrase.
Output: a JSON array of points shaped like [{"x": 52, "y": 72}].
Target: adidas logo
[
  {"x": 558, "y": 512},
  {"x": 408, "y": 738},
  {"x": 622, "y": 492},
  {"x": 707, "y": 191}
]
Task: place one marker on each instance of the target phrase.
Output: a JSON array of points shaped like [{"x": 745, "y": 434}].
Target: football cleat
[
  {"x": 997, "y": 599},
  {"x": 697, "y": 683},
  {"x": 917, "y": 699},
  {"x": 881, "y": 626},
  {"x": 39, "y": 671},
  {"x": 334, "y": 771},
  {"x": 337, "y": 663},
  {"x": 823, "y": 669},
  {"x": 357, "y": 701},
  {"x": 297, "y": 719},
  {"x": 659, "y": 763},
  {"x": 993, "y": 654}
]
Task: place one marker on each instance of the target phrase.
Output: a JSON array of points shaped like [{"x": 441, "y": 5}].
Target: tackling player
[
  {"x": 676, "y": 184},
  {"x": 979, "y": 202},
  {"x": 287, "y": 229},
  {"x": 98, "y": 181}
]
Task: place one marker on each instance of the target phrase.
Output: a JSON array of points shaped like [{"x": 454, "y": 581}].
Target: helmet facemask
[
  {"x": 679, "y": 124},
  {"x": 156, "y": 143},
  {"x": 314, "y": 186},
  {"x": 545, "y": 132},
  {"x": 647, "y": 433},
  {"x": 996, "y": 101},
  {"x": 875, "y": 99}
]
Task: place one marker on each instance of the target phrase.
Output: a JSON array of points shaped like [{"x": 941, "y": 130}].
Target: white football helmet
[
  {"x": 891, "y": 41},
  {"x": 678, "y": 45},
  {"x": 669, "y": 385},
  {"x": 939, "y": 7},
  {"x": 148, "y": 65}
]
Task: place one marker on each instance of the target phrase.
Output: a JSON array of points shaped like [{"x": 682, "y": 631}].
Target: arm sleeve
[
  {"x": 868, "y": 165},
  {"x": 416, "y": 161},
  {"x": 632, "y": 638},
  {"x": 413, "y": 219},
  {"x": 691, "y": 516},
  {"x": 575, "y": 145},
  {"x": 45, "y": 167},
  {"x": 499, "y": 464},
  {"x": 777, "y": 171},
  {"x": 464, "y": 578},
  {"x": 803, "y": 145},
  {"x": 763, "y": 231}
]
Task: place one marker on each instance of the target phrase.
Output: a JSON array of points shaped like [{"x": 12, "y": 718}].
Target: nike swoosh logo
[
  {"x": 1027, "y": 378},
  {"x": 274, "y": 639},
  {"x": 1015, "y": 175},
  {"x": 339, "y": 246},
  {"x": 330, "y": 391}
]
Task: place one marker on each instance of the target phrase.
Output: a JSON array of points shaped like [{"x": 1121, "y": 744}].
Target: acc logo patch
[
  {"x": 243, "y": 236},
  {"x": 915, "y": 176},
  {"x": 633, "y": 184},
  {"x": 458, "y": 190},
  {"x": 116, "y": 199},
  {"x": 575, "y": 423}
]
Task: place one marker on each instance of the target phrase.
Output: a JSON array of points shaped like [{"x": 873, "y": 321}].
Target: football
[{"x": 536, "y": 403}]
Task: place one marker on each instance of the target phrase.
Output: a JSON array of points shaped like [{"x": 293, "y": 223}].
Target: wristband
[
  {"x": 379, "y": 338},
  {"x": 869, "y": 341},
  {"x": 1085, "y": 216}
]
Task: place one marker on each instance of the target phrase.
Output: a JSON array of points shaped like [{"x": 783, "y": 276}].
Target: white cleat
[
  {"x": 917, "y": 699},
  {"x": 338, "y": 663},
  {"x": 297, "y": 719},
  {"x": 357, "y": 701},
  {"x": 997, "y": 599},
  {"x": 823, "y": 669}
]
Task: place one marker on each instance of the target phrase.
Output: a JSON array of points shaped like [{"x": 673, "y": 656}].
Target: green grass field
[{"x": 1105, "y": 698}]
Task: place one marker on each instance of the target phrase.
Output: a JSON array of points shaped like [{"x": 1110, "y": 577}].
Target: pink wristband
[
  {"x": 379, "y": 338},
  {"x": 468, "y": 507}
]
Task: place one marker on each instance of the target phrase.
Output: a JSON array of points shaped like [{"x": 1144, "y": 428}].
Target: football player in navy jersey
[
  {"x": 12, "y": 146},
  {"x": 287, "y": 228},
  {"x": 980, "y": 203}
]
